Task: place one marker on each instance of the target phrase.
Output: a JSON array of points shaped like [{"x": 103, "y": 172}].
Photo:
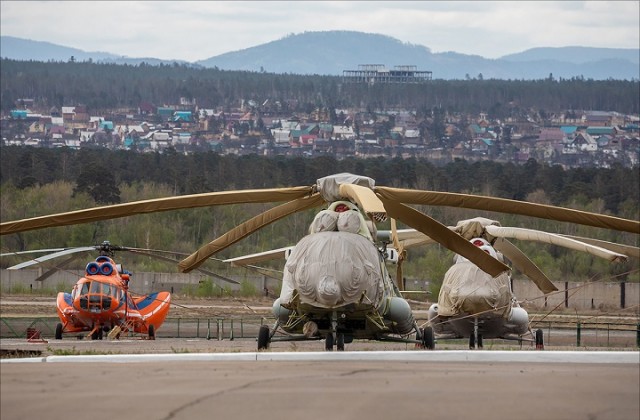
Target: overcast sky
[{"x": 201, "y": 29}]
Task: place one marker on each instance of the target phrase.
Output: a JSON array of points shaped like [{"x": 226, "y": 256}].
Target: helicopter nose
[{"x": 328, "y": 291}]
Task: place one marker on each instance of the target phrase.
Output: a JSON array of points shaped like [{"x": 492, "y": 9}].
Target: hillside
[{"x": 332, "y": 52}]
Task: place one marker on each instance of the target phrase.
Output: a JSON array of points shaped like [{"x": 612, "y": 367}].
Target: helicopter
[
  {"x": 472, "y": 304},
  {"x": 336, "y": 286},
  {"x": 100, "y": 301}
]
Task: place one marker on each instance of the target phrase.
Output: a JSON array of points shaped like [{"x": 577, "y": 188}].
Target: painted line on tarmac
[{"x": 629, "y": 357}]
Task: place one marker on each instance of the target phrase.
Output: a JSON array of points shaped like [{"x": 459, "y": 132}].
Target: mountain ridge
[{"x": 332, "y": 52}]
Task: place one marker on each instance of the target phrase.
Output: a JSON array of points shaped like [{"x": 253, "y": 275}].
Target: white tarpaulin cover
[
  {"x": 332, "y": 269},
  {"x": 329, "y": 187},
  {"x": 467, "y": 289}
]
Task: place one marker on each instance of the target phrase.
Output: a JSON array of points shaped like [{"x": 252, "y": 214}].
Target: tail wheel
[
  {"x": 428, "y": 338},
  {"x": 59, "y": 331},
  {"x": 539, "y": 340},
  {"x": 263, "y": 337},
  {"x": 152, "y": 332}
]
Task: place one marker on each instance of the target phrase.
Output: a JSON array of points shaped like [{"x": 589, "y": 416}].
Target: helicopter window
[
  {"x": 85, "y": 288},
  {"x": 106, "y": 289},
  {"x": 96, "y": 287}
]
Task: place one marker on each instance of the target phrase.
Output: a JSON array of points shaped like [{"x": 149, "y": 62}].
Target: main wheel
[
  {"x": 328, "y": 344},
  {"x": 428, "y": 338},
  {"x": 479, "y": 341},
  {"x": 340, "y": 342},
  {"x": 539, "y": 340},
  {"x": 152, "y": 332},
  {"x": 263, "y": 337},
  {"x": 59, "y": 331}
]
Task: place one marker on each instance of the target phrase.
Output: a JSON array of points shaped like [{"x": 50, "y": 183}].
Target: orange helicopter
[{"x": 100, "y": 301}]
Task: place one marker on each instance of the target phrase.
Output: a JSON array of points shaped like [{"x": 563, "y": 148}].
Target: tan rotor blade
[
  {"x": 154, "y": 205},
  {"x": 241, "y": 231},
  {"x": 444, "y": 236},
  {"x": 525, "y": 265},
  {"x": 401, "y": 254},
  {"x": 274, "y": 254},
  {"x": 503, "y": 205},
  {"x": 366, "y": 199},
  {"x": 628, "y": 250},
  {"x": 551, "y": 238}
]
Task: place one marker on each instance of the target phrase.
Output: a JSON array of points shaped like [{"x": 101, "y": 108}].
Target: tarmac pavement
[{"x": 336, "y": 385}]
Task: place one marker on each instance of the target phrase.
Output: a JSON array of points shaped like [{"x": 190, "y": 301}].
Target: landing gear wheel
[
  {"x": 340, "y": 342},
  {"x": 539, "y": 340},
  {"x": 152, "y": 332},
  {"x": 328, "y": 344},
  {"x": 428, "y": 338},
  {"x": 59, "y": 331},
  {"x": 263, "y": 337},
  {"x": 472, "y": 342},
  {"x": 95, "y": 335}
]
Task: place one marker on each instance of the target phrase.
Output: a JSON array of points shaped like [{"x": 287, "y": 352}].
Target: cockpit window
[
  {"x": 96, "y": 287},
  {"x": 85, "y": 288}
]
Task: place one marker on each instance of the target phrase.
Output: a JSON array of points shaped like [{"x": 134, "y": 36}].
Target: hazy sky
[{"x": 195, "y": 30}]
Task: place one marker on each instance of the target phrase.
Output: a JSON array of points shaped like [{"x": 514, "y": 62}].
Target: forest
[
  {"x": 110, "y": 87},
  {"x": 37, "y": 181}
]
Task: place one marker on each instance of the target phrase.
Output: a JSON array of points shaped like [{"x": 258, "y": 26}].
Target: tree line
[
  {"x": 37, "y": 181},
  {"x": 109, "y": 87}
]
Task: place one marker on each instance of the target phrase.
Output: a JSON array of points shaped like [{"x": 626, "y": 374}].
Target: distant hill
[
  {"x": 26, "y": 49},
  {"x": 332, "y": 52}
]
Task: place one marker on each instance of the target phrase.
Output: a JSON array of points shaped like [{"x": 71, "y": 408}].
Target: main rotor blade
[
  {"x": 58, "y": 267},
  {"x": 444, "y": 236},
  {"x": 525, "y": 265},
  {"x": 155, "y": 205},
  {"x": 241, "y": 231},
  {"x": 52, "y": 256},
  {"x": 628, "y": 250},
  {"x": 274, "y": 254},
  {"x": 366, "y": 199},
  {"x": 169, "y": 259},
  {"x": 33, "y": 251},
  {"x": 551, "y": 238},
  {"x": 503, "y": 205}
]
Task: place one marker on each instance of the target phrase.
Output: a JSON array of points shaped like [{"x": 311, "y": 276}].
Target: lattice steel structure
[{"x": 378, "y": 73}]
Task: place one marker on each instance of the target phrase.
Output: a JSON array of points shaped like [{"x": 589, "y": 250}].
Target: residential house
[
  {"x": 343, "y": 132},
  {"x": 584, "y": 142},
  {"x": 596, "y": 118}
]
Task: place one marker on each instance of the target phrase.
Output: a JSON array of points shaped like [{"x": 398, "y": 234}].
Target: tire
[
  {"x": 59, "y": 331},
  {"x": 152, "y": 332},
  {"x": 328, "y": 344},
  {"x": 479, "y": 341},
  {"x": 472, "y": 342},
  {"x": 428, "y": 338},
  {"x": 263, "y": 337},
  {"x": 340, "y": 342},
  {"x": 94, "y": 335},
  {"x": 539, "y": 339}
]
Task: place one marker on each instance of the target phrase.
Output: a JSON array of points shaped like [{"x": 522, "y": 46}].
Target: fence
[
  {"x": 556, "y": 333},
  {"x": 574, "y": 295}
]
